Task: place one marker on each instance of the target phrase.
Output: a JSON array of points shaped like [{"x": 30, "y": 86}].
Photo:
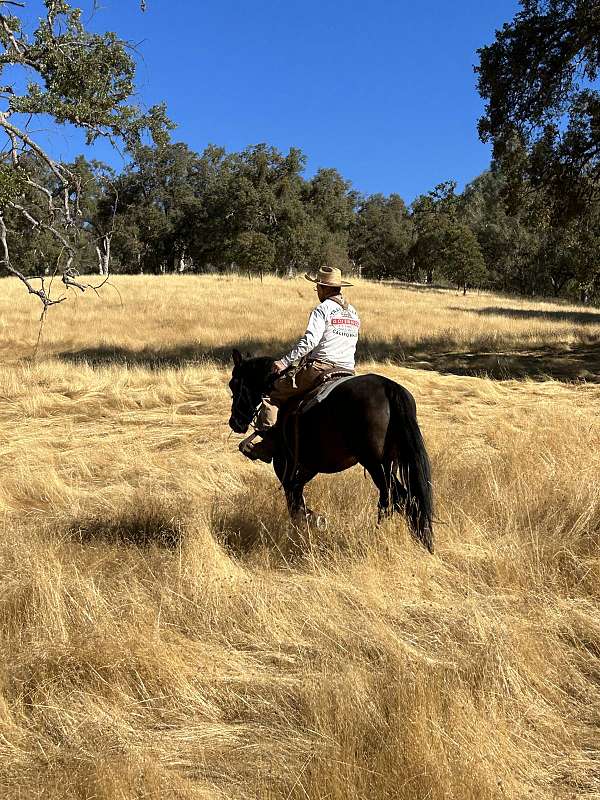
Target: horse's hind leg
[
  {"x": 399, "y": 493},
  {"x": 381, "y": 476},
  {"x": 391, "y": 491}
]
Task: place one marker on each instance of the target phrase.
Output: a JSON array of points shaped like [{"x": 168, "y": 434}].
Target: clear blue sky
[{"x": 383, "y": 91}]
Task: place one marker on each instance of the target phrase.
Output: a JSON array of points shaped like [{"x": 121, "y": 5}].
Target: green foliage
[
  {"x": 460, "y": 258},
  {"x": 381, "y": 238},
  {"x": 433, "y": 215},
  {"x": 538, "y": 80},
  {"x": 12, "y": 182},
  {"x": 204, "y": 205},
  {"x": 507, "y": 240},
  {"x": 174, "y": 209},
  {"x": 531, "y": 224},
  {"x": 254, "y": 252},
  {"x": 80, "y": 78}
]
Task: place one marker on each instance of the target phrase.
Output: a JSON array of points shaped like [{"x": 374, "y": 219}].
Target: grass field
[{"x": 161, "y": 638}]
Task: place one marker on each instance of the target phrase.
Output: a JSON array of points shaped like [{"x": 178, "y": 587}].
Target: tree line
[
  {"x": 529, "y": 224},
  {"x": 175, "y": 210}
]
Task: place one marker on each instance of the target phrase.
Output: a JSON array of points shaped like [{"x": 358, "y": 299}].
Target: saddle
[{"x": 322, "y": 390}]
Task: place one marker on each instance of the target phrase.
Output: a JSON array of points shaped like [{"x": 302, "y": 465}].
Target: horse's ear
[{"x": 237, "y": 357}]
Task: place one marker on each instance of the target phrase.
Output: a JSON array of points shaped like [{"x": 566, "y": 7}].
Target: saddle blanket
[{"x": 321, "y": 393}]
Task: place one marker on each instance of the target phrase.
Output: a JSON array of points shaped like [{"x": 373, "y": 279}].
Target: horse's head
[{"x": 249, "y": 382}]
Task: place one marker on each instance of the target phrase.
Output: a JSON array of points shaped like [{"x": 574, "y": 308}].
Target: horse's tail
[{"x": 405, "y": 451}]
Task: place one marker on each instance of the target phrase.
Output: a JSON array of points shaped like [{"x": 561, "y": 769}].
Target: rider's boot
[{"x": 260, "y": 445}]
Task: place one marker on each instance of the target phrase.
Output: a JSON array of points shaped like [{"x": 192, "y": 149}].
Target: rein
[{"x": 245, "y": 396}]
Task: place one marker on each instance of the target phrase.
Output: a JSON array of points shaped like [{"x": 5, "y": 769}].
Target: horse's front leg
[
  {"x": 300, "y": 514},
  {"x": 294, "y": 492},
  {"x": 296, "y": 503}
]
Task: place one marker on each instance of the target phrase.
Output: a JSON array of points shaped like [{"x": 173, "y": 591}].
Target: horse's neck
[{"x": 262, "y": 370}]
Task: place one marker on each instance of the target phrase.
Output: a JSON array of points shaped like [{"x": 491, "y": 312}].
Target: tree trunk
[
  {"x": 179, "y": 263},
  {"x": 103, "y": 253}
]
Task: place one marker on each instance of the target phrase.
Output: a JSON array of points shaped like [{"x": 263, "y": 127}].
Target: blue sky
[{"x": 385, "y": 91}]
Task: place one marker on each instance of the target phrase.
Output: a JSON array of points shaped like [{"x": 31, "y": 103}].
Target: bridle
[
  {"x": 246, "y": 402},
  {"x": 244, "y": 395}
]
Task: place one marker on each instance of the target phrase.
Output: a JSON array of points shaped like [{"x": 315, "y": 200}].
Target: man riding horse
[{"x": 328, "y": 345}]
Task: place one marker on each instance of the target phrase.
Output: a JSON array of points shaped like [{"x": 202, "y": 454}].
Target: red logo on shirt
[{"x": 343, "y": 321}]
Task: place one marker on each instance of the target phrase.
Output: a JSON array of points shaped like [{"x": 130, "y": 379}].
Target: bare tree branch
[
  {"x": 41, "y": 293},
  {"x": 64, "y": 176}
]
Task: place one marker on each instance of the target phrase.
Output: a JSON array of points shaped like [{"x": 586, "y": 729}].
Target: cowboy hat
[{"x": 328, "y": 276}]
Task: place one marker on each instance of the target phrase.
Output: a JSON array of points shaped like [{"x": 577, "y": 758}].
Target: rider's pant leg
[
  {"x": 289, "y": 386},
  {"x": 267, "y": 415}
]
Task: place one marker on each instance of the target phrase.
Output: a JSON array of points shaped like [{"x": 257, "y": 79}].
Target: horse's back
[
  {"x": 351, "y": 423},
  {"x": 370, "y": 390}
]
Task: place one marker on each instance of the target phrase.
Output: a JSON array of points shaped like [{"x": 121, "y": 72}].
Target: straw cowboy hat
[{"x": 328, "y": 276}]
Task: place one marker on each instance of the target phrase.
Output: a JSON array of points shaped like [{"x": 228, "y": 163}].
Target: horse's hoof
[{"x": 321, "y": 522}]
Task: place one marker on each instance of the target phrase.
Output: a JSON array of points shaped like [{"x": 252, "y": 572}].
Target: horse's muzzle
[{"x": 236, "y": 426}]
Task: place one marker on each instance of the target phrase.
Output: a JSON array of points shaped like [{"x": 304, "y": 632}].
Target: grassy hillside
[{"x": 162, "y": 634}]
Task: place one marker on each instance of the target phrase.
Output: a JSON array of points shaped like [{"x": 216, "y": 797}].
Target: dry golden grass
[{"x": 162, "y": 637}]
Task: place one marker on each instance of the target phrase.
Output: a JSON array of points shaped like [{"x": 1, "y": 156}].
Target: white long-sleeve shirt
[{"x": 331, "y": 335}]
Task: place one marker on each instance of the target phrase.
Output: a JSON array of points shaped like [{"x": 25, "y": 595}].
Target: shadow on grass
[
  {"x": 141, "y": 526},
  {"x": 253, "y": 525},
  {"x": 580, "y": 362},
  {"x": 172, "y": 358},
  {"x": 240, "y": 534},
  {"x": 566, "y": 364},
  {"x": 254, "y": 521},
  {"x": 591, "y": 317},
  {"x": 421, "y": 288},
  {"x": 272, "y": 542}
]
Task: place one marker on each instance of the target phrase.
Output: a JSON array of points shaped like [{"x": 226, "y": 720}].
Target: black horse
[{"x": 368, "y": 420}]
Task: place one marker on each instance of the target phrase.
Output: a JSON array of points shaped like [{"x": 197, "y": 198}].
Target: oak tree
[{"x": 62, "y": 71}]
